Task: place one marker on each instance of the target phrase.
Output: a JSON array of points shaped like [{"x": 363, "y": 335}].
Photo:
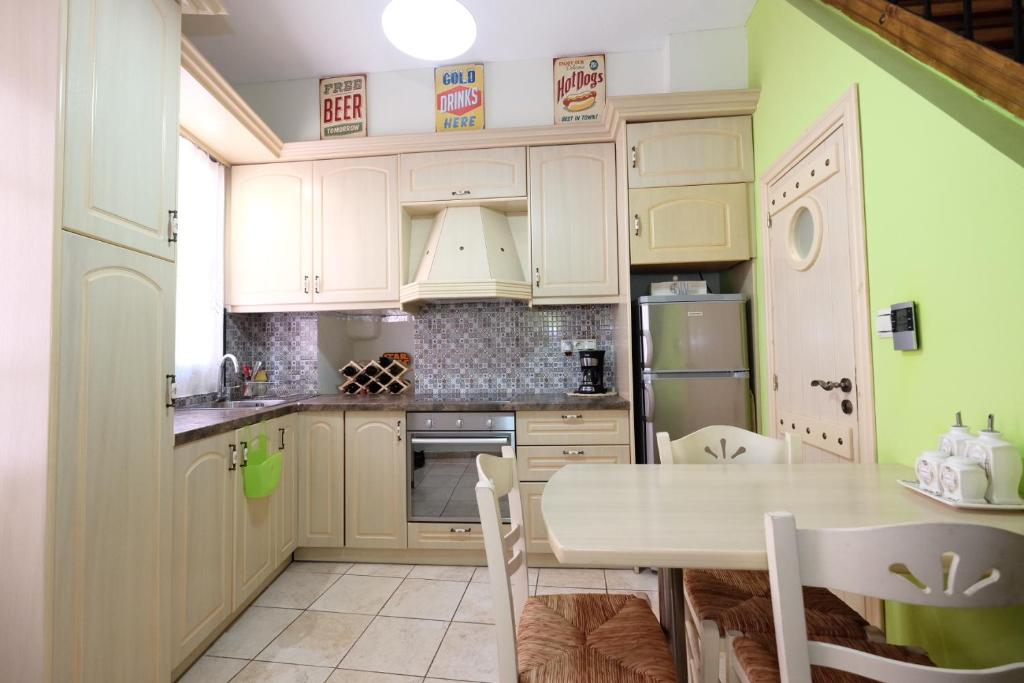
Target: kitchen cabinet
[
  {"x": 204, "y": 512},
  {"x": 578, "y": 427},
  {"x": 270, "y": 235},
  {"x": 284, "y": 435},
  {"x": 255, "y": 552},
  {"x": 356, "y": 231},
  {"x": 572, "y": 221},
  {"x": 112, "y": 560},
  {"x": 533, "y": 518},
  {"x": 699, "y": 224},
  {"x": 321, "y": 492},
  {"x": 538, "y": 463},
  {"x": 375, "y": 480},
  {"x": 464, "y": 174},
  {"x": 121, "y": 122},
  {"x": 691, "y": 152}
]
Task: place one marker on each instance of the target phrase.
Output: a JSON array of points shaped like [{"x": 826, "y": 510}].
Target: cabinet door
[
  {"x": 112, "y": 550},
  {"x": 284, "y": 434},
  {"x": 693, "y": 152},
  {"x": 533, "y": 519},
  {"x": 255, "y": 556},
  {"x": 270, "y": 241},
  {"x": 679, "y": 225},
  {"x": 355, "y": 231},
  {"x": 321, "y": 480},
  {"x": 464, "y": 174},
  {"x": 572, "y": 221},
  {"x": 204, "y": 505},
  {"x": 121, "y": 145},
  {"x": 375, "y": 500}
]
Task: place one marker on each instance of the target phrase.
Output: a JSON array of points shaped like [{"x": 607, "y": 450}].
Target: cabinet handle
[
  {"x": 245, "y": 454},
  {"x": 172, "y": 226},
  {"x": 574, "y": 452},
  {"x": 170, "y": 389},
  {"x": 234, "y": 457},
  {"x": 460, "y": 530},
  {"x": 316, "y": 284},
  {"x": 632, "y": 156},
  {"x": 305, "y": 284},
  {"x": 571, "y": 416},
  {"x": 636, "y": 224},
  {"x": 398, "y": 430},
  {"x": 537, "y": 271},
  {"x": 460, "y": 193},
  {"x": 281, "y": 432}
]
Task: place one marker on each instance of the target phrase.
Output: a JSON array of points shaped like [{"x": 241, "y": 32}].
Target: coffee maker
[{"x": 592, "y": 367}]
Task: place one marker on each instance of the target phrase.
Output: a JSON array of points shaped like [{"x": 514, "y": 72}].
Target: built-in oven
[{"x": 442, "y": 450}]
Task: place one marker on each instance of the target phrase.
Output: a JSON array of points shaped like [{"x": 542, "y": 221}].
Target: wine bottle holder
[{"x": 381, "y": 376}]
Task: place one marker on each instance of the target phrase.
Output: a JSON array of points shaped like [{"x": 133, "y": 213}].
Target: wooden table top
[{"x": 712, "y": 515}]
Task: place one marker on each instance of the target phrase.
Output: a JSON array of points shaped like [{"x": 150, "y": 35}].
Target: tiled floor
[{"x": 381, "y": 623}]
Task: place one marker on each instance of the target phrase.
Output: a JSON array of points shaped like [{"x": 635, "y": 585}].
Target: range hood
[{"x": 468, "y": 253}]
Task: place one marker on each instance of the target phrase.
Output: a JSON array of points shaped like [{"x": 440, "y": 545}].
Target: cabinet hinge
[{"x": 775, "y": 382}]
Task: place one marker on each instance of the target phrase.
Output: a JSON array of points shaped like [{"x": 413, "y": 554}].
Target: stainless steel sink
[{"x": 246, "y": 403}]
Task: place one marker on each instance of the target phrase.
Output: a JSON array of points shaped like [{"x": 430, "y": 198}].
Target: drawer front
[
  {"x": 545, "y": 427},
  {"x": 446, "y": 536},
  {"x": 533, "y": 519},
  {"x": 538, "y": 463},
  {"x": 463, "y": 175},
  {"x": 692, "y": 152}
]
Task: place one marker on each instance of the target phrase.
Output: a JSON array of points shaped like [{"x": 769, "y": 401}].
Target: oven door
[{"x": 442, "y": 474}]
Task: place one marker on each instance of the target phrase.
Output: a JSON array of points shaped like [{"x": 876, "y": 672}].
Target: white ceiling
[{"x": 272, "y": 40}]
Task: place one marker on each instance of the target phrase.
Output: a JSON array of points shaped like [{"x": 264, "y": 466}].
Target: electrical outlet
[
  {"x": 584, "y": 344},
  {"x": 567, "y": 347}
]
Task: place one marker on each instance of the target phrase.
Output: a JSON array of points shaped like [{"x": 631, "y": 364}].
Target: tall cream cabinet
[
  {"x": 321, "y": 492},
  {"x": 463, "y": 175},
  {"x": 572, "y": 221},
  {"x": 121, "y": 122},
  {"x": 112, "y": 525},
  {"x": 375, "y": 480},
  {"x": 692, "y": 152}
]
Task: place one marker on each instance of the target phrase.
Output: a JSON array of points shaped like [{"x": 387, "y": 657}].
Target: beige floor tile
[
  {"x": 347, "y": 676},
  {"x": 317, "y": 639},
  {"x": 320, "y": 567},
  {"x": 477, "y": 605},
  {"x": 627, "y": 579},
  {"x": 209, "y": 669},
  {"x": 295, "y": 590},
  {"x": 393, "y": 570},
  {"x": 357, "y": 594},
  {"x": 425, "y": 599},
  {"x": 444, "y": 573},
  {"x": 252, "y": 632},
  {"x": 481, "y": 575},
  {"x": 469, "y": 652},
  {"x": 572, "y": 578},
  {"x": 273, "y": 672},
  {"x": 396, "y": 645},
  {"x": 564, "y": 590}
]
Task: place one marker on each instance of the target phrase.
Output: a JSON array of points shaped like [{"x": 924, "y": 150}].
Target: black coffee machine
[{"x": 592, "y": 366}]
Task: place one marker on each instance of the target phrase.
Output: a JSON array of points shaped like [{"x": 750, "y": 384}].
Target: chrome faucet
[{"x": 222, "y": 394}]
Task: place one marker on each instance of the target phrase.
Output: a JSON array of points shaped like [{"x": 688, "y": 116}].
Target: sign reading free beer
[
  {"x": 343, "y": 106},
  {"x": 459, "y": 97}
]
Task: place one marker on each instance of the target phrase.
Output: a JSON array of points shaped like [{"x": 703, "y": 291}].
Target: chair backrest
[
  {"x": 727, "y": 444},
  {"x": 506, "y": 552},
  {"x": 942, "y": 565}
]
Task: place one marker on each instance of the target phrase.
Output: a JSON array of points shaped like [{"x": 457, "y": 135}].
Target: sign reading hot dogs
[
  {"x": 459, "y": 97},
  {"x": 343, "y": 106},
  {"x": 579, "y": 89}
]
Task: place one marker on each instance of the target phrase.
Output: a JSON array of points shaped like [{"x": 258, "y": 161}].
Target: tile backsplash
[{"x": 285, "y": 342}]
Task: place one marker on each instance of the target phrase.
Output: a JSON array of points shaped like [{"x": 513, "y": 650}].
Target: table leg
[{"x": 670, "y": 592}]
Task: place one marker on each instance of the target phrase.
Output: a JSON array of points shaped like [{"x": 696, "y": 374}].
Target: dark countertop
[{"x": 193, "y": 424}]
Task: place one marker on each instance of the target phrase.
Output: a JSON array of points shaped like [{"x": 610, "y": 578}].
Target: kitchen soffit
[{"x": 273, "y": 40}]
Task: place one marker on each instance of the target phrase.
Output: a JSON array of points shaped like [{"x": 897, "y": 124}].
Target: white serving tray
[{"x": 913, "y": 486}]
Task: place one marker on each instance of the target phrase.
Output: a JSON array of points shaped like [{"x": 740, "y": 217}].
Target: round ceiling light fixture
[{"x": 432, "y": 30}]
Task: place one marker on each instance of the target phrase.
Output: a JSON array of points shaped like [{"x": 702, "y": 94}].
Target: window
[{"x": 199, "y": 328}]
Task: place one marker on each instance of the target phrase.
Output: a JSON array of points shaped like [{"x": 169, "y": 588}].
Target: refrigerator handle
[
  {"x": 645, "y": 348},
  {"x": 648, "y": 402}
]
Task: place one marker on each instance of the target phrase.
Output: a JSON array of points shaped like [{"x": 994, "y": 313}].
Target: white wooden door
[
  {"x": 121, "y": 145},
  {"x": 204, "y": 506},
  {"x": 691, "y": 152},
  {"x": 321, "y": 492},
  {"x": 572, "y": 221},
  {"x": 112, "y": 550},
  {"x": 255, "y": 556},
  {"x": 464, "y": 174},
  {"x": 375, "y": 484},
  {"x": 270, "y": 240},
  {"x": 355, "y": 231},
  {"x": 284, "y": 434}
]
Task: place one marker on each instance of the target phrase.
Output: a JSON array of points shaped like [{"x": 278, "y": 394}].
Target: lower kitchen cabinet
[
  {"x": 533, "y": 518},
  {"x": 284, "y": 435},
  {"x": 255, "y": 556},
  {"x": 321, "y": 489},
  {"x": 375, "y": 480}
]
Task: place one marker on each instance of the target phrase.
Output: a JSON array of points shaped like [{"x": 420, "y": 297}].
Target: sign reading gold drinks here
[{"x": 459, "y": 97}]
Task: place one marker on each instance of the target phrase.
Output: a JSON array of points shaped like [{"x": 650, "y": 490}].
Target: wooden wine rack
[{"x": 374, "y": 377}]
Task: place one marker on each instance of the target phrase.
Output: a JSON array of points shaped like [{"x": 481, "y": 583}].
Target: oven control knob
[
  {"x": 430, "y": 423},
  {"x": 458, "y": 423},
  {"x": 490, "y": 422}
]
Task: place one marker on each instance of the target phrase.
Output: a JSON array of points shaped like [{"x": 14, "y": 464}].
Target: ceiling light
[{"x": 432, "y": 30}]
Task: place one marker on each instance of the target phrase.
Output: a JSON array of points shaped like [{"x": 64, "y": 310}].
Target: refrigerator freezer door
[
  {"x": 693, "y": 336},
  {"x": 680, "y": 404}
]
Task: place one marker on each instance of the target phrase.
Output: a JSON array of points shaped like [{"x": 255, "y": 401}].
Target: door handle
[
  {"x": 170, "y": 389},
  {"x": 172, "y": 226},
  {"x": 636, "y": 225},
  {"x": 398, "y": 430},
  {"x": 305, "y": 284},
  {"x": 234, "y": 457},
  {"x": 632, "y": 156},
  {"x": 280, "y": 431},
  {"x": 245, "y": 454},
  {"x": 845, "y": 384},
  {"x": 316, "y": 284}
]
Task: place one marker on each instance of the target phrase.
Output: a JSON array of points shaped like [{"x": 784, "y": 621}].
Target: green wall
[{"x": 944, "y": 205}]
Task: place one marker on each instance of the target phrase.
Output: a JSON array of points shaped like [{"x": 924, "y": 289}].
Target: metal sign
[
  {"x": 459, "y": 97},
  {"x": 343, "y": 106},
  {"x": 579, "y": 84}
]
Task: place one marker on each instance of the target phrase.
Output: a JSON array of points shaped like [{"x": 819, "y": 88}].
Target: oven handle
[{"x": 460, "y": 442}]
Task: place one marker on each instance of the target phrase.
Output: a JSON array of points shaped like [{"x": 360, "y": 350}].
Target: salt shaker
[{"x": 1001, "y": 462}]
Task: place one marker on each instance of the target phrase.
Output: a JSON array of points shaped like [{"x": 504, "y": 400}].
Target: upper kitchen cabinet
[
  {"x": 356, "y": 231},
  {"x": 468, "y": 174},
  {"x": 121, "y": 133},
  {"x": 270, "y": 239},
  {"x": 691, "y": 152},
  {"x": 572, "y": 221},
  {"x": 700, "y": 224}
]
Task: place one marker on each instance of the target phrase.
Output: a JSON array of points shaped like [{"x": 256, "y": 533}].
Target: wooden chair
[
  {"x": 940, "y": 565},
  {"x": 576, "y": 638},
  {"x": 727, "y": 444}
]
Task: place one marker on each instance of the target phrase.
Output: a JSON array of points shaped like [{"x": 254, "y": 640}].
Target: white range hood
[{"x": 470, "y": 253}]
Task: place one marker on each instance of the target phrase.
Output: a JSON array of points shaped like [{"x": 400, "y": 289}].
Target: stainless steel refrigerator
[{"x": 694, "y": 365}]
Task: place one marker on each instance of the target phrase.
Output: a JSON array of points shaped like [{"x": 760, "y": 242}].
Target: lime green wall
[{"x": 944, "y": 205}]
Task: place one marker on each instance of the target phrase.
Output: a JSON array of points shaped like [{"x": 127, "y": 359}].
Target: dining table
[{"x": 675, "y": 517}]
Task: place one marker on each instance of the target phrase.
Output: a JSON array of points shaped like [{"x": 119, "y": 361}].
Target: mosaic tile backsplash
[{"x": 285, "y": 342}]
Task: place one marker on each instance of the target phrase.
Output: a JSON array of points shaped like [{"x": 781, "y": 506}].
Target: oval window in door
[{"x": 805, "y": 235}]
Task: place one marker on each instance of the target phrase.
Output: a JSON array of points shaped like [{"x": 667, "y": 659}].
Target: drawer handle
[
  {"x": 572, "y": 416},
  {"x": 572, "y": 452},
  {"x": 460, "y": 530},
  {"x": 461, "y": 193}
]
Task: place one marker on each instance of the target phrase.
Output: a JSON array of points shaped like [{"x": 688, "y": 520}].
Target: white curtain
[{"x": 199, "y": 329}]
